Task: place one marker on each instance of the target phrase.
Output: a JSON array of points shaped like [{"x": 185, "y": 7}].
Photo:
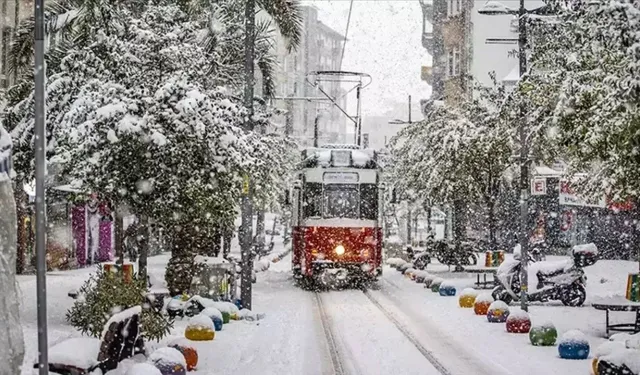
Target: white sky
[{"x": 385, "y": 42}]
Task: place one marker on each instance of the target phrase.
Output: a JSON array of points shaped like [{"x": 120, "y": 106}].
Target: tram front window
[{"x": 341, "y": 201}]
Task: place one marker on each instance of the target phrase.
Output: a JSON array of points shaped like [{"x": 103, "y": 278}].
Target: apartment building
[
  {"x": 320, "y": 50},
  {"x": 468, "y": 46}
]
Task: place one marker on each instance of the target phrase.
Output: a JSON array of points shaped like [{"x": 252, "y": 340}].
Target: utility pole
[
  {"x": 524, "y": 167},
  {"x": 245, "y": 234},
  {"x": 41, "y": 209}
]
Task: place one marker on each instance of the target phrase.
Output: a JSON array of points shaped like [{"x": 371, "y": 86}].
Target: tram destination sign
[{"x": 340, "y": 177}]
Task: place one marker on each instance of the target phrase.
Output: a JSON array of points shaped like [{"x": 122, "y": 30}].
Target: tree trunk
[
  {"x": 119, "y": 228},
  {"x": 260, "y": 231},
  {"x": 491, "y": 216},
  {"x": 21, "y": 211},
  {"x": 185, "y": 245},
  {"x": 459, "y": 222},
  {"x": 143, "y": 246}
]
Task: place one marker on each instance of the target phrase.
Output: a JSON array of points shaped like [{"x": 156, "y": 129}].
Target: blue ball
[
  {"x": 217, "y": 323},
  {"x": 573, "y": 350},
  {"x": 447, "y": 290},
  {"x": 238, "y": 303}
]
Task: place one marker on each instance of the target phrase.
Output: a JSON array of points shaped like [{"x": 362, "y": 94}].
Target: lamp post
[{"x": 497, "y": 8}]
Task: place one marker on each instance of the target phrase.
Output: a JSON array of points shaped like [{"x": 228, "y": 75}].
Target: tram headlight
[{"x": 339, "y": 250}]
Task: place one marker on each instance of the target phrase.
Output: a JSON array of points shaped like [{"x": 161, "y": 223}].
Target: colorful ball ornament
[
  {"x": 544, "y": 334},
  {"x": 169, "y": 361},
  {"x": 446, "y": 289},
  {"x": 482, "y": 303},
  {"x": 518, "y": 322},
  {"x": 189, "y": 353},
  {"x": 573, "y": 345},
  {"x": 467, "y": 298},
  {"x": 200, "y": 328},
  {"x": 435, "y": 284},
  {"x": 498, "y": 312},
  {"x": 428, "y": 280}
]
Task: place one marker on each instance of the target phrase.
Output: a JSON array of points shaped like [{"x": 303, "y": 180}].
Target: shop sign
[
  {"x": 539, "y": 186},
  {"x": 569, "y": 198}
]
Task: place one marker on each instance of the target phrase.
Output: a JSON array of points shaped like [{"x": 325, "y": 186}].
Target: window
[
  {"x": 341, "y": 201},
  {"x": 312, "y": 200},
  {"x": 369, "y": 202},
  {"x": 454, "y": 61}
]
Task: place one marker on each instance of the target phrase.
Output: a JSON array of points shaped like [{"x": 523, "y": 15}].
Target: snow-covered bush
[{"x": 105, "y": 294}]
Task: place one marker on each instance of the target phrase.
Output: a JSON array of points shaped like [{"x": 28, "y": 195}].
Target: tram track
[
  {"x": 334, "y": 353},
  {"x": 427, "y": 354}
]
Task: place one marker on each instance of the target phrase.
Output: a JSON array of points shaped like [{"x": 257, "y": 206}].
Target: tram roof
[{"x": 325, "y": 157}]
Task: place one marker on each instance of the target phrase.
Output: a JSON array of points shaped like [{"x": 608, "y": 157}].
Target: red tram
[{"x": 337, "y": 216}]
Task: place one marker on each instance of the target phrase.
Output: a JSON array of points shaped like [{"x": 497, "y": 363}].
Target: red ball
[{"x": 518, "y": 325}]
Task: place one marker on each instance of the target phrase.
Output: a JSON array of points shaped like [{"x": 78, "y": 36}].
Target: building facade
[
  {"x": 468, "y": 48},
  {"x": 320, "y": 50}
]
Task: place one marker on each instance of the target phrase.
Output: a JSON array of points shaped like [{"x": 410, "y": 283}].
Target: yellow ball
[
  {"x": 466, "y": 301},
  {"x": 199, "y": 334},
  {"x": 234, "y": 316},
  {"x": 594, "y": 366}
]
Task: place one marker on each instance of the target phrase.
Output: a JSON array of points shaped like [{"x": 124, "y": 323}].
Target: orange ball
[
  {"x": 481, "y": 308},
  {"x": 190, "y": 355}
]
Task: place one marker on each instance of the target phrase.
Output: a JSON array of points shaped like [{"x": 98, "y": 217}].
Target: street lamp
[{"x": 496, "y": 8}]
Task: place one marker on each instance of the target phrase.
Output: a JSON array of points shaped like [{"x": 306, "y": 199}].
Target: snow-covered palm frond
[{"x": 287, "y": 16}]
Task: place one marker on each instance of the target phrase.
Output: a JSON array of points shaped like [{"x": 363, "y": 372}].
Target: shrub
[{"x": 105, "y": 294}]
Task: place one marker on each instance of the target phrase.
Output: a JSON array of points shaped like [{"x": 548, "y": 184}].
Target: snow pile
[
  {"x": 201, "y": 322},
  {"x": 205, "y": 302},
  {"x": 121, "y": 317},
  {"x": 546, "y": 324},
  {"x": 250, "y": 316},
  {"x": 261, "y": 265},
  {"x": 469, "y": 292},
  {"x": 607, "y": 348},
  {"x": 212, "y": 312},
  {"x": 394, "y": 262},
  {"x": 143, "y": 369},
  {"x": 199, "y": 259},
  {"x": 589, "y": 248},
  {"x": 360, "y": 158},
  {"x": 498, "y": 305},
  {"x": 485, "y": 298},
  {"x": 516, "y": 315},
  {"x": 573, "y": 337},
  {"x": 169, "y": 355},
  {"x": 81, "y": 352},
  {"x": 447, "y": 284},
  {"x": 623, "y": 356}
]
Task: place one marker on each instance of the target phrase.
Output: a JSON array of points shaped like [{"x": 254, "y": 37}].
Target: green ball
[
  {"x": 543, "y": 335},
  {"x": 225, "y": 317},
  {"x": 435, "y": 287}
]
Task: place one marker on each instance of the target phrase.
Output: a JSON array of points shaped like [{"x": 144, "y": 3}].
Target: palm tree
[{"x": 224, "y": 36}]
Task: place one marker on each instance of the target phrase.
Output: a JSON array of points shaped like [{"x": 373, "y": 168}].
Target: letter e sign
[{"x": 539, "y": 186}]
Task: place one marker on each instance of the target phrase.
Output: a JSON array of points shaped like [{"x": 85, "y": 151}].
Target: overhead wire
[{"x": 346, "y": 34}]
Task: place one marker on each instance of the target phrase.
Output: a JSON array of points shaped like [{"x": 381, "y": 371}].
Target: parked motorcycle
[
  {"x": 564, "y": 281},
  {"x": 419, "y": 260}
]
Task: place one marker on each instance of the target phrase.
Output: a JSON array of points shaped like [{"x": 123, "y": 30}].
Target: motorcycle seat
[{"x": 549, "y": 269}]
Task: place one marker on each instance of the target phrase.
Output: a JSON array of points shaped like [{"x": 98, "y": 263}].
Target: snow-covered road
[{"x": 396, "y": 327}]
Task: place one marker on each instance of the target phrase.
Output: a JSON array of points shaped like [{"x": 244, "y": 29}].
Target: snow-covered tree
[{"x": 456, "y": 154}]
